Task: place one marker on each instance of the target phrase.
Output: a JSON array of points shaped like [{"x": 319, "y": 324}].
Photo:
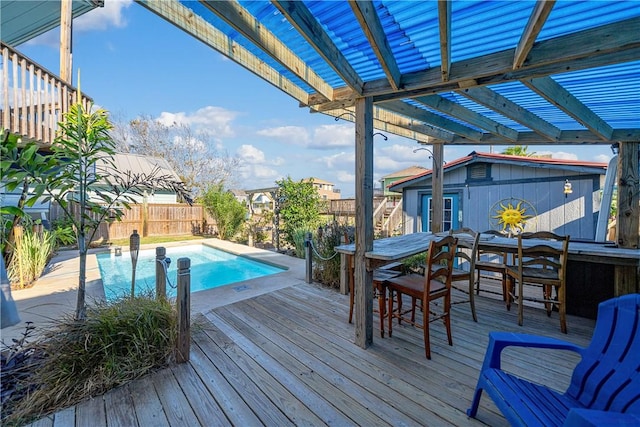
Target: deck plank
[
  {"x": 91, "y": 412},
  {"x": 121, "y": 411},
  {"x": 147, "y": 404},
  {"x": 300, "y": 403},
  {"x": 288, "y": 357},
  {"x": 175, "y": 404}
]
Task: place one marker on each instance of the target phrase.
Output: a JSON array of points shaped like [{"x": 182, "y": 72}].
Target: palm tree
[{"x": 518, "y": 150}]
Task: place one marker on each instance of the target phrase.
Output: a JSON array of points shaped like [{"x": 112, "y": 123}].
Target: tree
[
  {"x": 299, "y": 206},
  {"x": 79, "y": 171},
  {"x": 518, "y": 150},
  {"x": 191, "y": 154},
  {"x": 228, "y": 212}
]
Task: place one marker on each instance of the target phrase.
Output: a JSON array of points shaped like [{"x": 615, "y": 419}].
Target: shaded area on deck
[{"x": 288, "y": 358}]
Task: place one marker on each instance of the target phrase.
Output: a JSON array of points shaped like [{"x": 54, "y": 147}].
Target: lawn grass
[{"x": 156, "y": 239}]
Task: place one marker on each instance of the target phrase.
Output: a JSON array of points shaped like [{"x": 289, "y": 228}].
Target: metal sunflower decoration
[{"x": 511, "y": 216}]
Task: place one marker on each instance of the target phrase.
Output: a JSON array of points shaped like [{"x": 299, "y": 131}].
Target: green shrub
[
  {"x": 298, "y": 235},
  {"x": 64, "y": 233},
  {"x": 327, "y": 262},
  {"x": 30, "y": 255},
  {"x": 117, "y": 343}
]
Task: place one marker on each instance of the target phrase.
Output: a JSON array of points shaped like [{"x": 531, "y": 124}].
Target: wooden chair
[
  {"x": 380, "y": 275},
  {"x": 434, "y": 284},
  {"x": 542, "y": 265},
  {"x": 463, "y": 274},
  {"x": 605, "y": 384},
  {"x": 492, "y": 260}
]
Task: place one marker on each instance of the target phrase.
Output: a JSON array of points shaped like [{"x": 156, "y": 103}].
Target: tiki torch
[{"x": 134, "y": 247}]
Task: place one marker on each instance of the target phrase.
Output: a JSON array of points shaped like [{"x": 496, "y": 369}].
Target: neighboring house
[
  {"x": 261, "y": 202},
  {"x": 240, "y": 196},
  {"x": 325, "y": 189},
  {"x": 124, "y": 163},
  {"x": 136, "y": 164},
  {"x": 389, "y": 179},
  {"x": 476, "y": 185}
]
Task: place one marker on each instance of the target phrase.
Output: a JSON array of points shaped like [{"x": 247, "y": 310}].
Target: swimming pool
[{"x": 210, "y": 268}]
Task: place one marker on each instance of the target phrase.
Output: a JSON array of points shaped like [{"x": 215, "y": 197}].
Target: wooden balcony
[{"x": 33, "y": 98}]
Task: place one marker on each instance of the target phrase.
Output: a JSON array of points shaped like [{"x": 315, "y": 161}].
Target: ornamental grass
[{"x": 74, "y": 360}]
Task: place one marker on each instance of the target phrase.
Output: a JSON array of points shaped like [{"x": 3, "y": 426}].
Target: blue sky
[{"x": 134, "y": 63}]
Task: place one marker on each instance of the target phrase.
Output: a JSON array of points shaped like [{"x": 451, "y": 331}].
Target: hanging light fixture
[{"x": 567, "y": 188}]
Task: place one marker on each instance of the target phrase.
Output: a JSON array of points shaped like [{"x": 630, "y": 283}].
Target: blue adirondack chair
[{"x": 605, "y": 385}]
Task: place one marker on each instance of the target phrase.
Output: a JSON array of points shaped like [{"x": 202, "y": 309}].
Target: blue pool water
[{"x": 210, "y": 268}]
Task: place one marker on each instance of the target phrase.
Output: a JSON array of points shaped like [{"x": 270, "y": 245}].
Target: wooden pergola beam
[
  {"x": 553, "y": 92},
  {"x": 510, "y": 109},
  {"x": 597, "y": 47},
  {"x": 446, "y": 106},
  {"x": 433, "y": 119},
  {"x": 191, "y": 23},
  {"x": 365, "y": 13},
  {"x": 538, "y": 17},
  {"x": 246, "y": 24},
  {"x": 302, "y": 19}
]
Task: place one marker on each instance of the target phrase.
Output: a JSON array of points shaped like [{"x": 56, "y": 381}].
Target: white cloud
[
  {"x": 250, "y": 154},
  {"x": 294, "y": 135},
  {"x": 603, "y": 158},
  {"x": 345, "y": 177},
  {"x": 341, "y": 159},
  {"x": 333, "y": 136},
  {"x": 215, "y": 120},
  {"x": 101, "y": 18},
  {"x": 558, "y": 155}
]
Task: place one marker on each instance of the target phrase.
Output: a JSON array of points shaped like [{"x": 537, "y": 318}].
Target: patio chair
[
  {"x": 434, "y": 284},
  {"x": 463, "y": 274},
  {"x": 493, "y": 260},
  {"x": 605, "y": 384},
  {"x": 379, "y": 287},
  {"x": 542, "y": 265}
]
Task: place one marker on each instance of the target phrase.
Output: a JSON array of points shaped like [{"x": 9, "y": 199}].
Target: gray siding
[{"x": 575, "y": 214}]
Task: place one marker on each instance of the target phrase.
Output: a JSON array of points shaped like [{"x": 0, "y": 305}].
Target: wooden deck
[{"x": 288, "y": 358}]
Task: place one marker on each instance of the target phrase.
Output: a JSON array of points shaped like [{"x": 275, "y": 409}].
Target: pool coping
[{"x": 54, "y": 294}]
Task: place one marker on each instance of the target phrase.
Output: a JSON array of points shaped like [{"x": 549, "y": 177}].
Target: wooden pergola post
[
  {"x": 363, "y": 278},
  {"x": 66, "y": 19},
  {"x": 627, "y": 278},
  {"x": 437, "y": 188}
]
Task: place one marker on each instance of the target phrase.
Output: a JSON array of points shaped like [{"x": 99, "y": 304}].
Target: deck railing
[{"x": 33, "y": 99}]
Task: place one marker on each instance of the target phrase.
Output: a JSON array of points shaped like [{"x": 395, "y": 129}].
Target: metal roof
[
  {"x": 578, "y": 166},
  {"x": 22, "y": 20},
  {"x": 459, "y": 72}
]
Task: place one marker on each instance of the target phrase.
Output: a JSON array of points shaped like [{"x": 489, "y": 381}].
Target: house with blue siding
[{"x": 563, "y": 196}]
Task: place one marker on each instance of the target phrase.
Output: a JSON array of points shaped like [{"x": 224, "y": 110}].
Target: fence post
[
  {"x": 161, "y": 275},
  {"x": 183, "y": 304},
  {"x": 308, "y": 256}
]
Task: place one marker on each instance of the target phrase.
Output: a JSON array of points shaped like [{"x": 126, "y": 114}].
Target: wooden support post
[
  {"x": 344, "y": 273},
  {"x": 437, "y": 189},
  {"x": 161, "y": 274},
  {"x": 627, "y": 278},
  {"x": 66, "y": 19},
  {"x": 183, "y": 303},
  {"x": 364, "y": 222},
  {"x": 308, "y": 256}
]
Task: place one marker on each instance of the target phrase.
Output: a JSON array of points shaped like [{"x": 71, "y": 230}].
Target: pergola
[{"x": 445, "y": 72}]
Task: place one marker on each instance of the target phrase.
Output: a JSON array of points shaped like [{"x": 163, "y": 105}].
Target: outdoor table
[{"x": 591, "y": 271}]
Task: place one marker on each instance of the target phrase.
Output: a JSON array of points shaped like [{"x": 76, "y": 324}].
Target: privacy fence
[{"x": 151, "y": 220}]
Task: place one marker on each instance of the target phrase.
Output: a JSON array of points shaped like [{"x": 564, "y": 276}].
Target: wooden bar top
[{"x": 399, "y": 247}]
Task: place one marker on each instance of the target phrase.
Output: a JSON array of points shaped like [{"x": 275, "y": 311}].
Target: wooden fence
[{"x": 151, "y": 220}]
